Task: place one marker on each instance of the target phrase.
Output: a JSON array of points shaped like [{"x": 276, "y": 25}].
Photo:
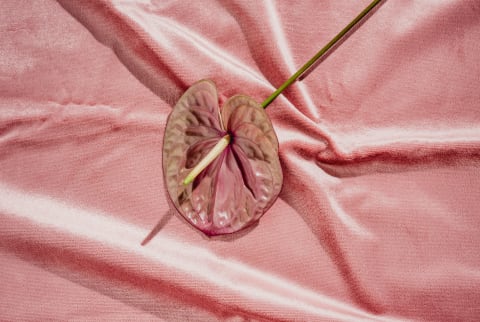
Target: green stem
[{"x": 322, "y": 52}]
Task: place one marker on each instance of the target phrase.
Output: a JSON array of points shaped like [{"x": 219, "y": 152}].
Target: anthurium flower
[
  {"x": 242, "y": 177},
  {"x": 221, "y": 167}
]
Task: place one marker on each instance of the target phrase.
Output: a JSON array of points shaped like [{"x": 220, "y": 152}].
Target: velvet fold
[{"x": 379, "y": 145}]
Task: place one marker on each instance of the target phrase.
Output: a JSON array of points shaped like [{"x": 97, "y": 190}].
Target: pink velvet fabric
[{"x": 378, "y": 218}]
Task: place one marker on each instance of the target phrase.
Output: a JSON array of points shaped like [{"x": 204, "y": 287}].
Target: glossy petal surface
[{"x": 238, "y": 187}]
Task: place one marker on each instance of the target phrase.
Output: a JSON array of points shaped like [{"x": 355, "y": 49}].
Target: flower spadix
[{"x": 221, "y": 167}]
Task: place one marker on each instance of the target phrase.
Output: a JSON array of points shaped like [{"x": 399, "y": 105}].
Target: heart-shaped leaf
[{"x": 242, "y": 182}]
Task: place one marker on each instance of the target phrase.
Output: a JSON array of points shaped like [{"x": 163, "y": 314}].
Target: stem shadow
[{"x": 160, "y": 224}]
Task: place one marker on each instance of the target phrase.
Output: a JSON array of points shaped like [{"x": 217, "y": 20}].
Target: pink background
[{"x": 378, "y": 218}]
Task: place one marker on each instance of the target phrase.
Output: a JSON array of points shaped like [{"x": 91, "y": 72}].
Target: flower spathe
[{"x": 242, "y": 182}]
